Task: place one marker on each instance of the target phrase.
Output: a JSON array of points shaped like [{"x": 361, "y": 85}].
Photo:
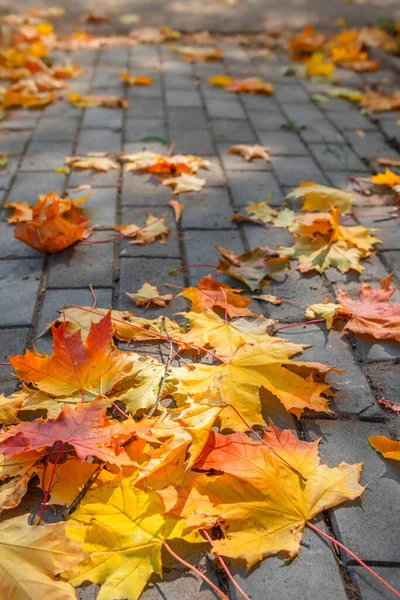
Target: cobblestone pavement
[
  {"x": 184, "y": 109},
  {"x": 215, "y": 15}
]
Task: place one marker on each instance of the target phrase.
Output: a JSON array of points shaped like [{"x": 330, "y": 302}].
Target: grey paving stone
[
  {"x": 152, "y": 146},
  {"x": 291, "y": 171},
  {"x": 231, "y": 130},
  {"x": 214, "y": 175},
  {"x": 144, "y": 108},
  {"x": 44, "y": 156},
  {"x": 11, "y": 247},
  {"x": 56, "y": 130},
  {"x": 12, "y": 341},
  {"x": 113, "y": 57},
  {"x": 83, "y": 264},
  {"x": 303, "y": 113},
  {"x": 256, "y": 235},
  {"x": 291, "y": 92},
  {"x": 17, "y": 123},
  {"x": 320, "y": 130},
  {"x": 391, "y": 259},
  {"x": 136, "y": 129},
  {"x": 247, "y": 187},
  {"x": 143, "y": 189},
  {"x": 371, "y": 350},
  {"x": 366, "y": 525},
  {"x": 99, "y": 140},
  {"x": 352, "y": 395},
  {"x": 389, "y": 128},
  {"x": 341, "y": 179},
  {"x": 369, "y": 587},
  {"x": 7, "y": 174},
  {"x": 187, "y": 118},
  {"x": 220, "y": 109},
  {"x": 136, "y": 271},
  {"x": 338, "y": 157},
  {"x": 256, "y": 104},
  {"x": 183, "y": 98},
  {"x": 103, "y": 118},
  {"x": 208, "y": 209},
  {"x": 235, "y": 162},
  {"x": 384, "y": 380},
  {"x": 270, "y": 120},
  {"x": 371, "y": 146},
  {"x": 20, "y": 280},
  {"x": 293, "y": 579},
  {"x": 55, "y": 300},
  {"x": 28, "y": 186},
  {"x": 350, "y": 120},
  {"x": 292, "y": 285},
  {"x": 144, "y": 91},
  {"x": 107, "y": 78},
  {"x": 138, "y": 215},
  {"x": 62, "y": 110},
  {"x": 200, "y": 248},
  {"x": 387, "y": 231},
  {"x": 191, "y": 141},
  {"x": 101, "y": 207},
  {"x": 93, "y": 178},
  {"x": 283, "y": 143},
  {"x": 14, "y": 141}
]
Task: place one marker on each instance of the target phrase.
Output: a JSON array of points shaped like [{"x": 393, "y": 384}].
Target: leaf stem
[
  {"x": 83, "y": 491},
  {"x": 360, "y": 562},
  {"x": 166, "y": 369},
  {"x": 189, "y": 266},
  {"x": 225, "y": 566},
  {"x": 48, "y": 490},
  {"x": 195, "y": 570},
  {"x": 308, "y": 323}
]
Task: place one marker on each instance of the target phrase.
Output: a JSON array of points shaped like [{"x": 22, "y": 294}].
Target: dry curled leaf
[
  {"x": 154, "y": 228},
  {"x": 194, "y": 55},
  {"x": 250, "y": 152},
  {"x": 97, "y": 163},
  {"x": 253, "y": 267},
  {"x": 135, "y": 80},
  {"x": 95, "y": 101},
  {"x": 252, "y": 85},
  {"x": 185, "y": 183},
  {"x": 210, "y": 294},
  {"x": 177, "y": 207}
]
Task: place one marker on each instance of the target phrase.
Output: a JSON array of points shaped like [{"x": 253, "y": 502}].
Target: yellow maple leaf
[
  {"x": 387, "y": 178},
  {"x": 317, "y": 66},
  {"x": 322, "y": 198},
  {"x": 389, "y": 448}
]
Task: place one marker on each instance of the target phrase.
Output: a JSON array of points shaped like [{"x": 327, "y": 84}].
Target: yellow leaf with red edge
[
  {"x": 387, "y": 447},
  {"x": 210, "y": 294},
  {"x": 124, "y": 532},
  {"x": 263, "y": 503}
]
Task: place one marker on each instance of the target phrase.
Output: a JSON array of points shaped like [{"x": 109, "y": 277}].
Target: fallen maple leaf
[
  {"x": 177, "y": 207},
  {"x": 250, "y": 152},
  {"x": 185, "y": 183},
  {"x": 387, "y": 178},
  {"x": 376, "y": 102},
  {"x": 317, "y": 66},
  {"x": 252, "y": 267},
  {"x": 157, "y": 163},
  {"x": 154, "y": 228},
  {"x": 346, "y": 93},
  {"x": 22, "y": 211},
  {"x": 14, "y": 98},
  {"x": 94, "y": 366},
  {"x": 148, "y": 294},
  {"x": 322, "y": 198},
  {"x": 307, "y": 42},
  {"x": 372, "y": 314},
  {"x": 321, "y": 242},
  {"x": 388, "y": 162},
  {"x": 55, "y": 223},
  {"x": 91, "y": 161},
  {"x": 389, "y": 448},
  {"x": 210, "y": 294},
  {"x": 125, "y": 529},
  {"x": 86, "y": 428},
  {"x": 93, "y": 17},
  {"x": 94, "y": 101},
  {"x": 32, "y": 556},
  {"x": 253, "y": 85},
  {"x": 323, "y": 310},
  {"x": 259, "y": 487},
  {"x": 135, "y": 80},
  {"x": 195, "y": 55},
  {"x": 266, "y": 365},
  {"x": 67, "y": 71},
  {"x": 258, "y": 212}
]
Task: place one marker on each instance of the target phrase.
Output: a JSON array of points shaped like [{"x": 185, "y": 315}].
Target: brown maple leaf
[{"x": 252, "y": 267}]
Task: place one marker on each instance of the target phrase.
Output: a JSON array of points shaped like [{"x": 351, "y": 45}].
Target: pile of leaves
[{"x": 95, "y": 429}]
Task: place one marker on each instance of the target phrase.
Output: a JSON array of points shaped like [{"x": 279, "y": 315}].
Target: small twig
[
  {"x": 189, "y": 266},
  {"x": 225, "y": 566},
  {"x": 93, "y": 296},
  {"x": 48, "y": 490},
  {"x": 85, "y": 488},
  {"x": 166, "y": 369},
  {"x": 195, "y": 570},
  {"x": 310, "y": 322},
  {"x": 360, "y": 562}
]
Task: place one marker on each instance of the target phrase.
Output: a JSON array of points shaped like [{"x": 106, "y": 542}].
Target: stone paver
[{"x": 184, "y": 110}]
